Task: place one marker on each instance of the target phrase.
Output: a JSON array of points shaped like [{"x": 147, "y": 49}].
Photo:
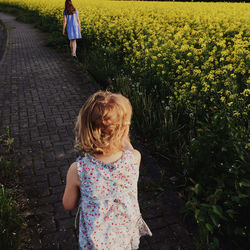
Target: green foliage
[
  {"x": 57, "y": 41},
  {"x": 102, "y": 64},
  {"x": 10, "y": 220},
  {"x": 7, "y": 169},
  {"x": 161, "y": 122},
  {"x": 7, "y": 166},
  {"x": 218, "y": 192},
  {"x": 9, "y": 141}
]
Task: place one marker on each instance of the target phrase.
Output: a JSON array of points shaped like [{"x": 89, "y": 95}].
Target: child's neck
[{"x": 108, "y": 157}]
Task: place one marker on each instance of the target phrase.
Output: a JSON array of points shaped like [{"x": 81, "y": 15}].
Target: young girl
[
  {"x": 71, "y": 19},
  {"x": 106, "y": 179}
]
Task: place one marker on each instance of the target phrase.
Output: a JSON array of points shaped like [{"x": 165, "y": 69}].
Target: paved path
[{"x": 40, "y": 96}]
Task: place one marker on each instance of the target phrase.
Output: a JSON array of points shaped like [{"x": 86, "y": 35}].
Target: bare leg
[
  {"x": 73, "y": 47},
  {"x": 70, "y": 44}
]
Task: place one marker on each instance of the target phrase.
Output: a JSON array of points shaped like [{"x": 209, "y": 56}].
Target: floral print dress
[{"x": 109, "y": 211}]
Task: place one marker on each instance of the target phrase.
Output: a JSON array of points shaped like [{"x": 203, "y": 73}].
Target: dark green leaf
[
  {"x": 230, "y": 212},
  {"x": 214, "y": 219},
  {"x": 217, "y": 210},
  {"x": 209, "y": 227},
  {"x": 243, "y": 196},
  {"x": 245, "y": 183},
  {"x": 216, "y": 242},
  {"x": 197, "y": 213},
  {"x": 197, "y": 188}
]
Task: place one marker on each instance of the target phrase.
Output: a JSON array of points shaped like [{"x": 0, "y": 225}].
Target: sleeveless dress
[
  {"x": 73, "y": 29},
  {"x": 110, "y": 217}
]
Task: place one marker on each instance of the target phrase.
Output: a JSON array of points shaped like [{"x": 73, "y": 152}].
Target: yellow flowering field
[{"x": 199, "y": 52}]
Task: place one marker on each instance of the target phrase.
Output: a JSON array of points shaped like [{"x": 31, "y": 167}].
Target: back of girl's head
[
  {"x": 69, "y": 8},
  {"x": 102, "y": 122}
]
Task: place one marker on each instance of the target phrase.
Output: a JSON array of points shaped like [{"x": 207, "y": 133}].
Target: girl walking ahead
[
  {"x": 106, "y": 179},
  {"x": 72, "y": 21}
]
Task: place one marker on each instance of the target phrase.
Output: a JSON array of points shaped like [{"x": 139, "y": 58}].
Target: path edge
[{"x": 3, "y": 40}]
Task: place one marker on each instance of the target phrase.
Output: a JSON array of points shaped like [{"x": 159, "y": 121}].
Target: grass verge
[{"x": 13, "y": 227}]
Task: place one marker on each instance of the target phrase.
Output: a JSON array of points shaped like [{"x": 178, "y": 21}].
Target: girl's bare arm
[
  {"x": 64, "y": 25},
  {"x": 71, "y": 193}
]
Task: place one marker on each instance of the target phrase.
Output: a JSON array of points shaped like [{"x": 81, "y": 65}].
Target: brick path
[{"x": 40, "y": 96}]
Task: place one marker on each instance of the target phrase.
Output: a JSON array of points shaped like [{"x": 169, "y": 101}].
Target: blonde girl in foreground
[{"x": 106, "y": 179}]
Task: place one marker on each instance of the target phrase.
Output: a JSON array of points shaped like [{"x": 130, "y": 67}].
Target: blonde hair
[{"x": 101, "y": 123}]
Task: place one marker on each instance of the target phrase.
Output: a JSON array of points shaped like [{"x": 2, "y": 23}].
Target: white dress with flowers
[{"x": 109, "y": 211}]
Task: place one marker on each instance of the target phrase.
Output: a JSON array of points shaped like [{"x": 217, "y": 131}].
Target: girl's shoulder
[
  {"x": 133, "y": 155},
  {"x": 130, "y": 156},
  {"x": 82, "y": 165},
  {"x": 137, "y": 156},
  {"x": 82, "y": 161}
]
